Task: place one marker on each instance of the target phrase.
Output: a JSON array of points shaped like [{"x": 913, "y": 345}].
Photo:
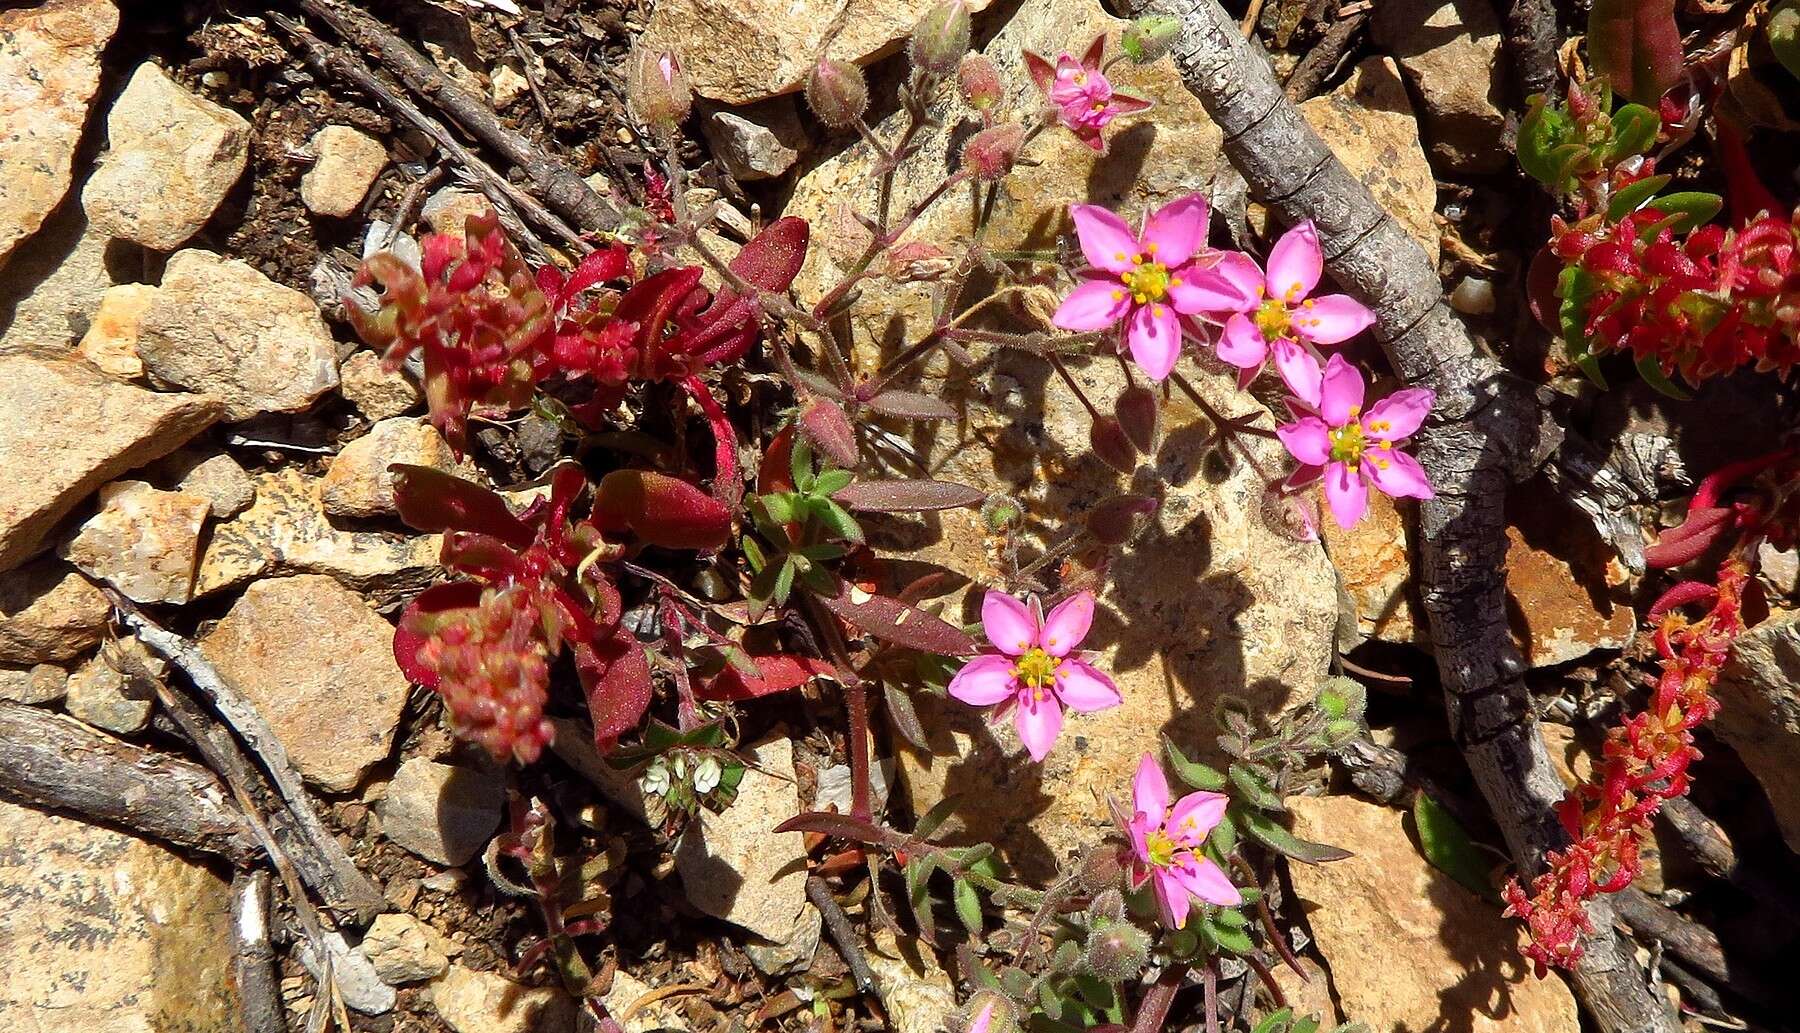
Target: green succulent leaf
[
  {"x": 1271, "y": 834},
  {"x": 1630, "y": 198},
  {"x": 1634, "y": 131},
  {"x": 1446, "y": 844},
  {"x": 1195, "y": 774}
]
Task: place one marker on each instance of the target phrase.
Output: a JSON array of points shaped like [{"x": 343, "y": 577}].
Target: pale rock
[
  {"x": 487, "y": 1002},
  {"x": 1308, "y": 995},
  {"x": 84, "y": 429},
  {"x": 376, "y": 393},
  {"x": 49, "y": 70},
  {"x": 1559, "y": 592},
  {"x": 170, "y": 160},
  {"x": 49, "y": 613},
  {"x": 53, "y": 288},
  {"x": 733, "y": 867},
  {"x": 1374, "y": 566},
  {"x": 1450, "y": 53},
  {"x": 1370, "y": 126},
  {"x": 359, "y": 484},
  {"x": 404, "y": 949},
  {"x": 96, "y": 923},
  {"x": 1211, "y": 600},
  {"x": 217, "y": 478},
  {"x": 1462, "y": 969},
  {"x": 915, "y": 989},
  {"x": 506, "y": 85},
  {"x": 1573, "y": 761},
  {"x": 1779, "y": 569},
  {"x": 110, "y": 343},
  {"x": 441, "y": 812},
  {"x": 740, "y": 51},
  {"x": 318, "y": 665},
  {"x": 450, "y": 208},
  {"x": 354, "y": 975},
  {"x": 626, "y": 991},
  {"x": 286, "y": 531},
  {"x": 1473, "y": 296},
  {"x": 107, "y": 699},
  {"x": 757, "y": 142},
  {"x": 35, "y": 686},
  {"x": 346, "y": 163},
  {"x": 145, "y": 542},
  {"x": 1759, "y": 713},
  {"x": 220, "y": 327}
]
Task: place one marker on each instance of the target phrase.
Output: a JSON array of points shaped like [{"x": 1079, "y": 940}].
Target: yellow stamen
[
  {"x": 1149, "y": 282},
  {"x": 1035, "y": 670}
]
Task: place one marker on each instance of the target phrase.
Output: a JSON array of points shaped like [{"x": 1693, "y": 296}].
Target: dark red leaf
[
  {"x": 1680, "y": 595},
  {"x": 911, "y": 405},
  {"x": 773, "y": 257},
  {"x": 458, "y": 595},
  {"x": 661, "y": 510},
  {"x": 432, "y": 500},
  {"x": 843, "y": 826},
  {"x": 779, "y": 673},
  {"x": 1540, "y": 289},
  {"x": 1637, "y": 46},
  {"x": 616, "y": 678},
  {"x": 828, "y": 429},
  {"x": 776, "y": 470},
  {"x": 908, "y": 496},
  {"x": 893, "y": 621}
]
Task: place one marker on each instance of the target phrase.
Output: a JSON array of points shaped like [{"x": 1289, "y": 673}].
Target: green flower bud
[
  {"x": 1116, "y": 951},
  {"x": 1149, "y": 38},
  {"x": 837, "y": 93},
  {"x": 941, "y": 38},
  {"x": 979, "y": 81},
  {"x": 1001, "y": 512}
]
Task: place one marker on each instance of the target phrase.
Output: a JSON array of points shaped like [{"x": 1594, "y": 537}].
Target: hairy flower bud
[
  {"x": 837, "y": 92},
  {"x": 988, "y": 1012},
  {"x": 979, "y": 81},
  {"x": 1100, "y": 869},
  {"x": 657, "y": 88},
  {"x": 1149, "y": 38},
  {"x": 940, "y": 38},
  {"x": 1108, "y": 905},
  {"x": 1116, "y": 951},
  {"x": 1001, "y": 512},
  {"x": 1109, "y": 441},
  {"x": 989, "y": 155}
]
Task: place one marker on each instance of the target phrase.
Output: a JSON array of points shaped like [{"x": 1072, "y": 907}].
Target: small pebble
[{"x": 1473, "y": 297}]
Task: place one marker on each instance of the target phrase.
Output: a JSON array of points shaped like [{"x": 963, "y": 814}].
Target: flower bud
[
  {"x": 979, "y": 81},
  {"x": 1116, "y": 951},
  {"x": 941, "y": 38},
  {"x": 989, "y": 155},
  {"x": 1115, "y": 521},
  {"x": 1001, "y": 512},
  {"x": 1108, "y": 905},
  {"x": 1100, "y": 869},
  {"x": 837, "y": 92},
  {"x": 1140, "y": 414},
  {"x": 1110, "y": 442},
  {"x": 657, "y": 88},
  {"x": 1149, "y": 38},
  {"x": 989, "y": 1012}
]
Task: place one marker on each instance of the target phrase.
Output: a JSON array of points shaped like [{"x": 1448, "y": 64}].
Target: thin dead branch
[
  {"x": 1486, "y": 432},
  {"x": 258, "y": 984}
]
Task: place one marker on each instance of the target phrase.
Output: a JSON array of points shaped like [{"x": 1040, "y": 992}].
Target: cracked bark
[{"x": 1485, "y": 433}]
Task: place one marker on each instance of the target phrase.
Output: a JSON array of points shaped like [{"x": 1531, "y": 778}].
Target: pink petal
[
  {"x": 1397, "y": 474},
  {"x": 1171, "y": 898},
  {"x": 1307, "y": 439},
  {"x": 1106, "y": 241},
  {"x": 1154, "y": 336},
  {"x": 983, "y": 1019},
  {"x": 1398, "y": 415},
  {"x": 1007, "y": 623},
  {"x": 1138, "y": 831},
  {"x": 1128, "y": 104},
  {"x": 1245, "y": 275},
  {"x": 1331, "y": 319},
  {"x": 1242, "y": 344},
  {"x": 1084, "y": 688},
  {"x": 1295, "y": 263},
  {"x": 1068, "y": 624},
  {"x": 1203, "y": 879},
  {"x": 1150, "y": 790},
  {"x": 1195, "y": 815},
  {"x": 1346, "y": 494},
  {"x": 1196, "y": 291},
  {"x": 1341, "y": 392},
  {"x": 1176, "y": 230},
  {"x": 1039, "y": 722},
  {"x": 1299, "y": 371},
  {"x": 1094, "y": 304},
  {"x": 984, "y": 681}
]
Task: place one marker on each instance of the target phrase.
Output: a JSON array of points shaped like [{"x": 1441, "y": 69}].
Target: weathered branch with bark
[{"x": 1485, "y": 433}]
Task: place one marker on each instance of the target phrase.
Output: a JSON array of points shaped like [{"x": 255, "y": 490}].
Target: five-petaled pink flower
[
  {"x": 1332, "y": 437},
  {"x": 1166, "y": 843},
  {"x": 1083, "y": 96},
  {"x": 1146, "y": 279},
  {"x": 1036, "y": 671},
  {"x": 1275, "y": 312}
]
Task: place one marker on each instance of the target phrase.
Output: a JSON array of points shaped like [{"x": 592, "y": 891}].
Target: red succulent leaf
[
  {"x": 778, "y": 672},
  {"x": 1637, "y": 46},
  {"x": 431, "y": 500},
  {"x": 1694, "y": 536},
  {"x": 615, "y": 674},
  {"x": 411, "y": 634},
  {"x": 773, "y": 257},
  {"x": 775, "y": 473},
  {"x": 728, "y": 483},
  {"x": 1683, "y": 594},
  {"x": 661, "y": 510}
]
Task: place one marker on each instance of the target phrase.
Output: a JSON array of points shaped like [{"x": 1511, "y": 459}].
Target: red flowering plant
[{"x": 1647, "y": 759}]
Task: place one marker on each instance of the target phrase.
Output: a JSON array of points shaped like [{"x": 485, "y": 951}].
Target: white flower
[
  {"x": 706, "y": 775},
  {"x": 655, "y": 780}
]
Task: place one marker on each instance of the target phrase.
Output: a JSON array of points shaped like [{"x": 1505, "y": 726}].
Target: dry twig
[{"x": 259, "y": 992}]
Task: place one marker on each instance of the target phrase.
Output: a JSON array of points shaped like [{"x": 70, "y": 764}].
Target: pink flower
[
  {"x": 1166, "y": 842},
  {"x": 1333, "y": 438},
  {"x": 1147, "y": 280},
  {"x": 1082, "y": 95},
  {"x": 1275, "y": 312},
  {"x": 1035, "y": 671}
]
